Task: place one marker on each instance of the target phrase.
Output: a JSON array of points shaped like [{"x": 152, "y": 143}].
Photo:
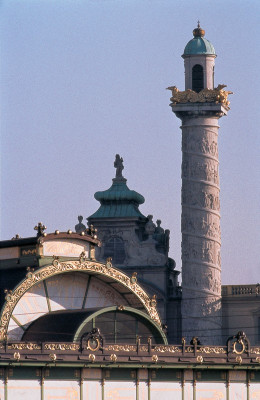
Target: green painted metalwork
[
  {"x": 137, "y": 389},
  {"x": 42, "y": 388},
  {"x": 5, "y": 383},
  {"x": 247, "y": 385},
  {"x": 227, "y": 383},
  {"x": 47, "y": 295},
  {"x": 115, "y": 308},
  {"x": 194, "y": 385},
  {"x": 81, "y": 385},
  {"x": 86, "y": 293},
  {"x": 149, "y": 385},
  {"x": 182, "y": 385},
  {"x": 18, "y": 323}
]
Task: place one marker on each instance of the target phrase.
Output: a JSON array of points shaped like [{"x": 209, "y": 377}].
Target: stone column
[{"x": 200, "y": 223}]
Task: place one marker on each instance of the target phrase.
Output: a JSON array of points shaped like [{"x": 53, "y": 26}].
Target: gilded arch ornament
[{"x": 56, "y": 268}]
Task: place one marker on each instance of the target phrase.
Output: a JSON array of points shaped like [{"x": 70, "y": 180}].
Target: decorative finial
[
  {"x": 40, "y": 228},
  {"x": 118, "y": 164},
  {"x": 92, "y": 231},
  {"x": 198, "y": 32}
]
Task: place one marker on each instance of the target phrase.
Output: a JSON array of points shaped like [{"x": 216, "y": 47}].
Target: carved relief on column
[
  {"x": 200, "y": 250},
  {"x": 198, "y": 305},
  {"x": 200, "y": 141},
  {"x": 201, "y": 224},
  {"x": 197, "y": 194},
  {"x": 200, "y": 168},
  {"x": 203, "y": 278}
]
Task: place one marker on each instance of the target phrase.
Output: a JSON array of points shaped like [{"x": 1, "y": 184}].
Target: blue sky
[{"x": 84, "y": 80}]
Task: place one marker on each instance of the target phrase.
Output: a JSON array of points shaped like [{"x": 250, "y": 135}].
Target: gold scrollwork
[
  {"x": 210, "y": 350},
  {"x": 170, "y": 349},
  {"x": 24, "y": 346},
  {"x": 255, "y": 350},
  {"x": 59, "y": 267},
  {"x": 61, "y": 346},
  {"x": 123, "y": 347},
  {"x": 143, "y": 348}
]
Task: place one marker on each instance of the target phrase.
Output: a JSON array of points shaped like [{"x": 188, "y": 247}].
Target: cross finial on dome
[{"x": 198, "y": 32}]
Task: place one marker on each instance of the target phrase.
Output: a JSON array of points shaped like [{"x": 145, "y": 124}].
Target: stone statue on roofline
[
  {"x": 80, "y": 227},
  {"x": 118, "y": 164}
]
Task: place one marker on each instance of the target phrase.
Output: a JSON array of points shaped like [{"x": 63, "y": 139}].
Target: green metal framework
[{"x": 115, "y": 308}]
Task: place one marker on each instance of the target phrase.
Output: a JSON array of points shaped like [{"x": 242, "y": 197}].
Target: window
[
  {"x": 197, "y": 78},
  {"x": 123, "y": 327}
]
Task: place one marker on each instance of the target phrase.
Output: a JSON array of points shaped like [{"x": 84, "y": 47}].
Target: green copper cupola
[{"x": 118, "y": 201}]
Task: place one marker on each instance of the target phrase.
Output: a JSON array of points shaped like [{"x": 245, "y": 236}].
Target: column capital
[{"x": 193, "y": 110}]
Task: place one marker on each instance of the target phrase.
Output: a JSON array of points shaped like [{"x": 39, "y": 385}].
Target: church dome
[
  {"x": 118, "y": 201},
  {"x": 119, "y": 192},
  {"x": 199, "y": 45}
]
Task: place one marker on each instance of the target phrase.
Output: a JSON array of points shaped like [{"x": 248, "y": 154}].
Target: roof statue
[
  {"x": 80, "y": 227},
  {"x": 216, "y": 95},
  {"x": 118, "y": 164}
]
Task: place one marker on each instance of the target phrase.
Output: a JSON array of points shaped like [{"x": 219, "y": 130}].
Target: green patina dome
[
  {"x": 119, "y": 191},
  {"x": 199, "y": 45},
  {"x": 118, "y": 201}
]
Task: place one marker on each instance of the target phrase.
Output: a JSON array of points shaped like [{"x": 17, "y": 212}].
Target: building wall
[
  {"x": 241, "y": 311},
  {"x": 130, "y": 384}
]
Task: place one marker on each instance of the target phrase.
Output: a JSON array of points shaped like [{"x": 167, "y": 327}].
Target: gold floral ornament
[
  {"x": 200, "y": 359},
  {"x": 155, "y": 358},
  {"x": 217, "y": 95},
  {"x": 17, "y": 356},
  {"x": 113, "y": 357},
  {"x": 30, "y": 272},
  {"x": 153, "y": 301},
  {"x": 239, "y": 360},
  {"x": 133, "y": 278},
  {"x": 92, "y": 357},
  {"x": 53, "y": 357},
  {"x": 60, "y": 267},
  {"x": 109, "y": 262}
]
